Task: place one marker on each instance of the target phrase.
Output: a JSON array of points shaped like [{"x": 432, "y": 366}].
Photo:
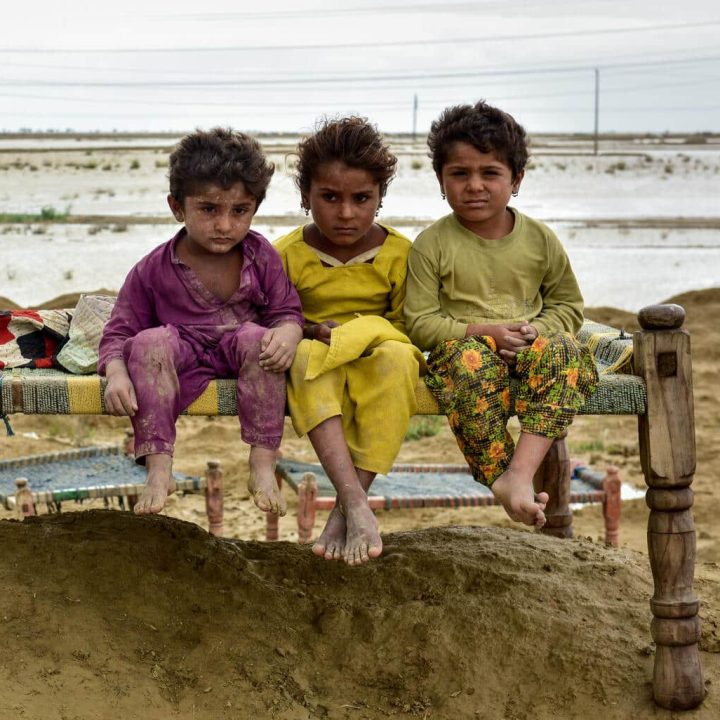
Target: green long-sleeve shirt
[{"x": 456, "y": 278}]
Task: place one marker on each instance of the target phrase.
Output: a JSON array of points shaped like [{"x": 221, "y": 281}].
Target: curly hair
[
  {"x": 351, "y": 140},
  {"x": 487, "y": 128},
  {"x": 219, "y": 156}
]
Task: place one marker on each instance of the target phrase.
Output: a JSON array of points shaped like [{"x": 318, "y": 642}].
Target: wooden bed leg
[
  {"x": 307, "y": 492},
  {"x": 611, "y": 506},
  {"x": 553, "y": 477},
  {"x": 24, "y": 505},
  {"x": 667, "y": 453},
  {"x": 129, "y": 444},
  {"x": 214, "y": 498},
  {"x": 272, "y": 521}
]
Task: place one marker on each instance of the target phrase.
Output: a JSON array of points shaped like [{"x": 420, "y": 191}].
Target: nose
[
  {"x": 223, "y": 222},
  {"x": 345, "y": 210},
  {"x": 475, "y": 181}
]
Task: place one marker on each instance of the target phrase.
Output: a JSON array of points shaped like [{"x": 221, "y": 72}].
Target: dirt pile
[{"x": 153, "y": 617}]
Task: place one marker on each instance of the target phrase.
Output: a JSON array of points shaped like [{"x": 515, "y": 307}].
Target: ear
[
  {"x": 440, "y": 182},
  {"x": 517, "y": 181},
  {"x": 304, "y": 202},
  {"x": 176, "y": 208}
]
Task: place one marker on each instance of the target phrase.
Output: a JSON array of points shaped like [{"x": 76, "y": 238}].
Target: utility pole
[
  {"x": 597, "y": 110},
  {"x": 414, "y": 122}
]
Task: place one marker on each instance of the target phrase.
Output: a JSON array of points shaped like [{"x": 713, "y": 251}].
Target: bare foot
[
  {"x": 515, "y": 493},
  {"x": 158, "y": 486},
  {"x": 262, "y": 484},
  {"x": 331, "y": 543},
  {"x": 362, "y": 541}
]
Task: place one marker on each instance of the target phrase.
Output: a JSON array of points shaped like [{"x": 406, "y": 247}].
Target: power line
[
  {"x": 297, "y": 80},
  {"x": 393, "y": 44}
]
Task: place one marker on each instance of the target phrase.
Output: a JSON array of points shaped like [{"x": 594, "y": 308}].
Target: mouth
[{"x": 345, "y": 231}]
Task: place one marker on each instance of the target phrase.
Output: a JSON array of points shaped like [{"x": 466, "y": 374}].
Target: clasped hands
[{"x": 510, "y": 338}]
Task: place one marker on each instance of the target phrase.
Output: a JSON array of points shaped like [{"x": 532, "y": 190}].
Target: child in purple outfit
[{"x": 214, "y": 301}]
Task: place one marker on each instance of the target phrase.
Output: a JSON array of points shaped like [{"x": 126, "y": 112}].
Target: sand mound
[{"x": 103, "y": 612}]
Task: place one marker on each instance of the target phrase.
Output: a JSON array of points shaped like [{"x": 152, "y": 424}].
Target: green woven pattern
[
  {"x": 612, "y": 347},
  {"x": 45, "y": 392}
]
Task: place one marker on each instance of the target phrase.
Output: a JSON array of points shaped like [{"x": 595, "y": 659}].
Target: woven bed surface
[
  {"x": 427, "y": 486},
  {"x": 52, "y": 392},
  {"x": 79, "y": 474}
]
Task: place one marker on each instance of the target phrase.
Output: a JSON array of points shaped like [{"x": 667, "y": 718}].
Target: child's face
[
  {"x": 478, "y": 187},
  {"x": 343, "y": 202},
  {"x": 216, "y": 219}
]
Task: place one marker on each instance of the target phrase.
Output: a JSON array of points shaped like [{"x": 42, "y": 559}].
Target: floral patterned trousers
[{"x": 552, "y": 379}]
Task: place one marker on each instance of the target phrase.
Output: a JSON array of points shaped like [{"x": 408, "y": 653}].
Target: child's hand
[
  {"x": 514, "y": 344},
  {"x": 322, "y": 331},
  {"x": 278, "y": 346},
  {"x": 119, "y": 393},
  {"x": 510, "y": 338}
]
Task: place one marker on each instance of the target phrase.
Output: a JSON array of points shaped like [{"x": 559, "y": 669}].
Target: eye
[
  {"x": 458, "y": 173},
  {"x": 240, "y": 211},
  {"x": 329, "y": 196},
  {"x": 207, "y": 209},
  {"x": 362, "y": 198}
]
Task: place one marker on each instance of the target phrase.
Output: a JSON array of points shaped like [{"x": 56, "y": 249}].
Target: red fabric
[{"x": 31, "y": 338}]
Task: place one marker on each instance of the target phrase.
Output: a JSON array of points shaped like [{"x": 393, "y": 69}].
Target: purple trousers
[{"x": 169, "y": 372}]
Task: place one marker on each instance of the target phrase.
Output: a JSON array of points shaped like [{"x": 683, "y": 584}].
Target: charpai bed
[{"x": 657, "y": 387}]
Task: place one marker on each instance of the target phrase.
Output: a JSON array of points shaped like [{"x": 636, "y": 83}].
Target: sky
[{"x": 280, "y": 65}]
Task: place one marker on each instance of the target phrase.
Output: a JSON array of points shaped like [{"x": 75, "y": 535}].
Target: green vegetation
[
  {"x": 422, "y": 426},
  {"x": 135, "y": 164},
  {"x": 46, "y": 214},
  {"x": 586, "y": 446},
  {"x": 416, "y": 164}
]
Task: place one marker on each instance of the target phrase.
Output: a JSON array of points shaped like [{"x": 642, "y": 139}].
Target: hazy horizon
[{"x": 143, "y": 67}]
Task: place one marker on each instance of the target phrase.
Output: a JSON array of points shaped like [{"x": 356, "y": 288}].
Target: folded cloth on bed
[
  {"x": 611, "y": 347},
  {"x": 79, "y": 355},
  {"x": 32, "y": 338}
]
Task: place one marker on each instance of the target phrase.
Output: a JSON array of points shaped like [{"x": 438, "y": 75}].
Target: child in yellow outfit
[{"x": 352, "y": 384}]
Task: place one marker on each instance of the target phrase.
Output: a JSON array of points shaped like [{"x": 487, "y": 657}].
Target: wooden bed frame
[{"x": 662, "y": 366}]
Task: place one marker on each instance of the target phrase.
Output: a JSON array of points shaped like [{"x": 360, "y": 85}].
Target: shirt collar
[{"x": 249, "y": 246}]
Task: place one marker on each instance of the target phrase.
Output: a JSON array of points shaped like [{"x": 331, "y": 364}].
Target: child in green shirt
[{"x": 491, "y": 293}]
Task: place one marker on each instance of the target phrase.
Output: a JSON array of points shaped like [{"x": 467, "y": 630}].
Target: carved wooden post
[
  {"x": 553, "y": 477},
  {"x": 307, "y": 492},
  {"x": 272, "y": 521},
  {"x": 214, "y": 497},
  {"x": 611, "y": 506},
  {"x": 667, "y": 453},
  {"x": 24, "y": 505}
]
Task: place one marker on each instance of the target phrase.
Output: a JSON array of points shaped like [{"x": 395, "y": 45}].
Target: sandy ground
[{"x": 466, "y": 615}]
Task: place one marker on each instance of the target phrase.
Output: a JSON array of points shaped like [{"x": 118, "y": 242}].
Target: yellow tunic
[{"x": 373, "y": 387}]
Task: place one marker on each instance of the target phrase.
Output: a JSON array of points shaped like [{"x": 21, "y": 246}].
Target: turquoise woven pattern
[
  {"x": 417, "y": 486},
  {"x": 90, "y": 472}
]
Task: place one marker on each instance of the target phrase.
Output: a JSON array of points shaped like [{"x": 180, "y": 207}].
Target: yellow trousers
[{"x": 374, "y": 394}]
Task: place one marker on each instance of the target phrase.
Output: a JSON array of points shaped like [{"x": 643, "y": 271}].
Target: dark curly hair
[
  {"x": 222, "y": 157},
  {"x": 486, "y": 128},
  {"x": 351, "y": 140}
]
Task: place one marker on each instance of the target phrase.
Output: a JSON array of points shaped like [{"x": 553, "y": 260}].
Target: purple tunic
[{"x": 175, "y": 336}]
